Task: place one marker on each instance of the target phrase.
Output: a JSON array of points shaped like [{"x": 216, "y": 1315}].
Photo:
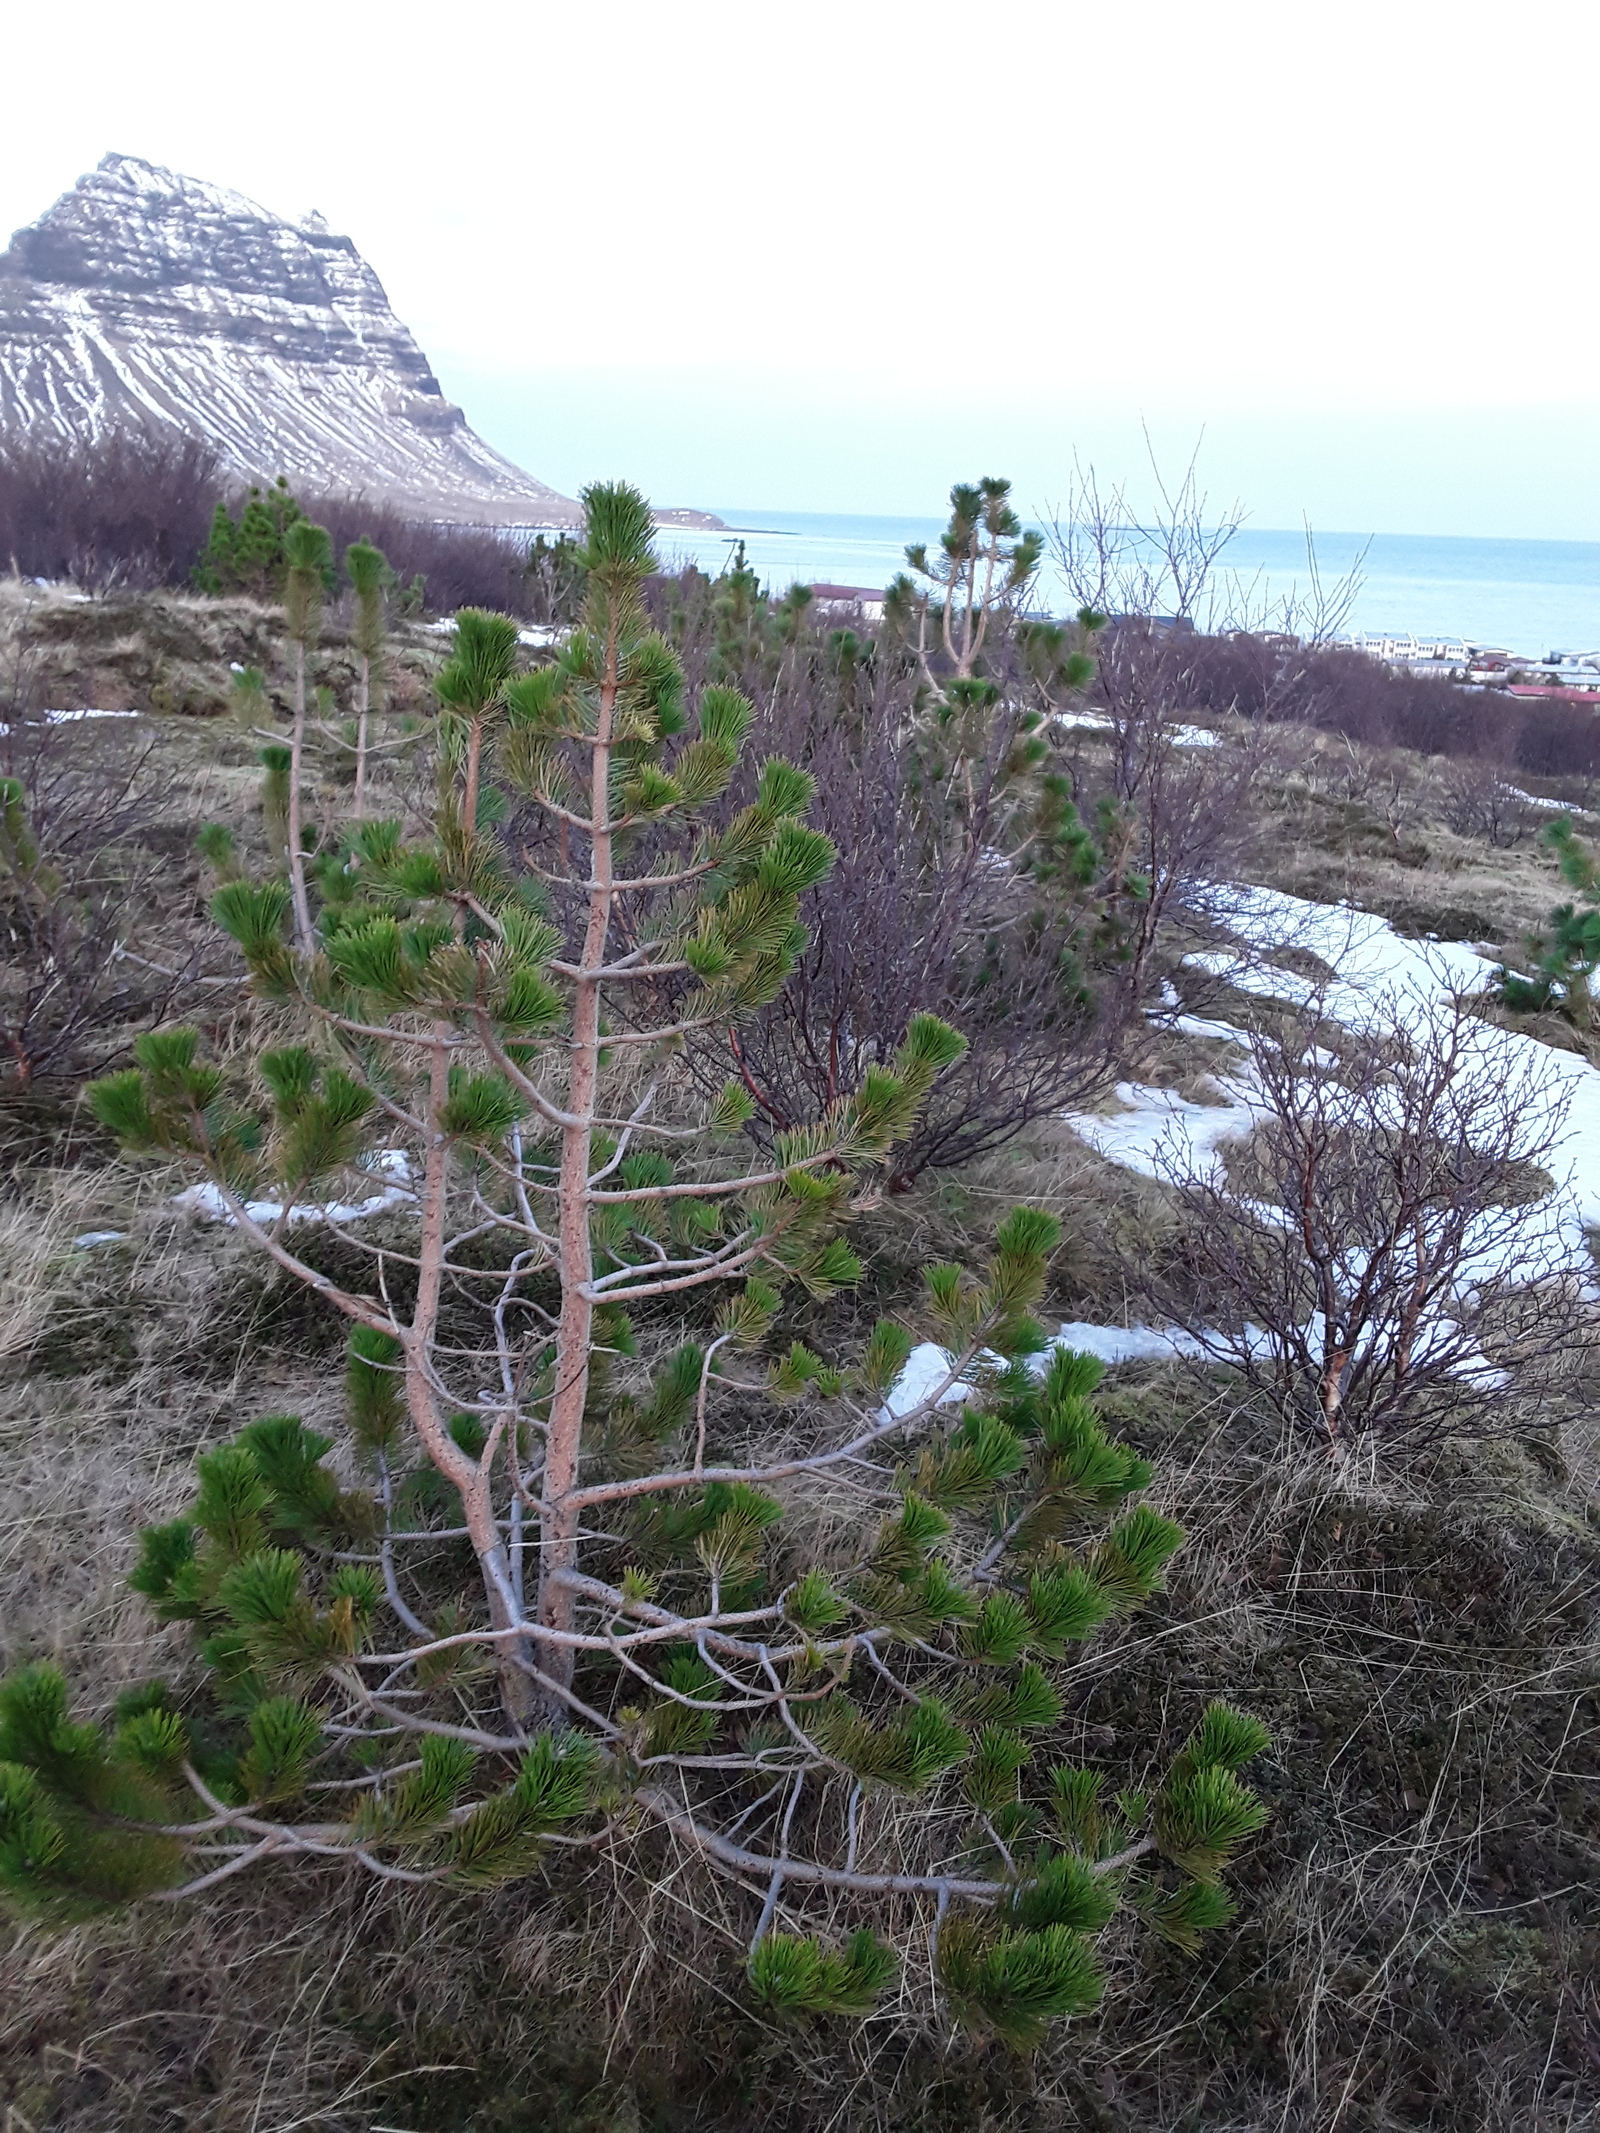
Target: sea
[{"x": 1531, "y": 597}]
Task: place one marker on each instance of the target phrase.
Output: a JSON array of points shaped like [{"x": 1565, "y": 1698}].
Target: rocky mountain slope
[{"x": 143, "y": 295}]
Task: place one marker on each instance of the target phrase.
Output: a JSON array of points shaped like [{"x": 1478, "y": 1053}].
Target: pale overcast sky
[{"x": 833, "y": 257}]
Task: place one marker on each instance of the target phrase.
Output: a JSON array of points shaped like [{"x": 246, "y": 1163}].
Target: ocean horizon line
[
  {"x": 1531, "y": 596},
  {"x": 775, "y": 519}
]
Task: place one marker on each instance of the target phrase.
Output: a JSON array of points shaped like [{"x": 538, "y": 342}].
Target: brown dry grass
[
  {"x": 1415, "y": 1940},
  {"x": 172, "y": 653},
  {"x": 1425, "y": 879}
]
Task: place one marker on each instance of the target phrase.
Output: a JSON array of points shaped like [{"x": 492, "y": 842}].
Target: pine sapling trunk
[
  {"x": 471, "y": 1477},
  {"x": 363, "y": 708},
  {"x": 297, "y": 857},
  {"x": 469, "y": 804},
  {"x": 368, "y": 574},
  {"x": 309, "y": 555},
  {"x": 558, "y": 1521}
]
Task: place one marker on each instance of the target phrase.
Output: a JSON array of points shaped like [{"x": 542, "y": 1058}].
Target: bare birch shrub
[
  {"x": 94, "y": 947},
  {"x": 129, "y": 509},
  {"x": 1378, "y": 1258},
  {"x": 1477, "y": 799},
  {"x": 967, "y": 882},
  {"x": 964, "y": 887},
  {"x": 1384, "y": 781},
  {"x": 1174, "y": 801}
]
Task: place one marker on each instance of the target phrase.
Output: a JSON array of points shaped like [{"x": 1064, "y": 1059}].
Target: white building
[{"x": 1450, "y": 652}]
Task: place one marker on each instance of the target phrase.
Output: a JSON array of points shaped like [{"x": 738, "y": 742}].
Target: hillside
[{"x": 1413, "y": 1624}]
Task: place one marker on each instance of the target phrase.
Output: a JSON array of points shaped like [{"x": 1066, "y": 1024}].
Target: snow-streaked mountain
[{"x": 147, "y": 296}]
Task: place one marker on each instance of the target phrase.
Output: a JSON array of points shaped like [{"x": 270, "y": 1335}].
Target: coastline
[{"x": 1530, "y": 596}]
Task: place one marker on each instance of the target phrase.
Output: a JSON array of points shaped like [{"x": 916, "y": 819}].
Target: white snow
[
  {"x": 67, "y": 718},
  {"x": 206, "y": 1201},
  {"x": 1128, "y": 1344},
  {"x": 926, "y": 1366},
  {"x": 1536, "y": 799},
  {"x": 539, "y": 635},
  {"x": 1157, "y": 1126},
  {"x": 1372, "y": 965},
  {"x": 1379, "y": 979},
  {"x": 1180, "y": 735}
]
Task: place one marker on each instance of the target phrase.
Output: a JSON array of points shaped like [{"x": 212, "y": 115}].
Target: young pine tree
[
  {"x": 1566, "y": 953},
  {"x": 308, "y": 555},
  {"x": 249, "y": 556},
  {"x": 217, "y": 570},
  {"x": 248, "y": 700},
  {"x": 576, "y": 1589},
  {"x": 985, "y": 562},
  {"x": 369, "y": 576}
]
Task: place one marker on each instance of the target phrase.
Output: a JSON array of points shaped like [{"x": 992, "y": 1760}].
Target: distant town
[{"x": 1572, "y": 677}]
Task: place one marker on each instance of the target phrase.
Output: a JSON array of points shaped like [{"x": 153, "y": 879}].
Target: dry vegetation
[
  {"x": 1373, "y": 828},
  {"x": 174, "y": 653},
  {"x": 1417, "y": 1942}
]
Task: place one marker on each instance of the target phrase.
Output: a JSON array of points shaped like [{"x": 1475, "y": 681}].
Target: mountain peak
[{"x": 147, "y": 296}]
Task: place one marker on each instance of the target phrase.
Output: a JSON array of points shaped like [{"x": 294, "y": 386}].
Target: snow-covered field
[{"x": 1380, "y": 981}]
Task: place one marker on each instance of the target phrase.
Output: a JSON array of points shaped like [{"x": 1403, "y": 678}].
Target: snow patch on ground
[
  {"x": 206, "y": 1201},
  {"x": 1156, "y": 1126},
  {"x": 927, "y": 1366},
  {"x": 1379, "y": 980},
  {"x": 1181, "y": 736},
  {"x": 1536, "y": 799},
  {"x": 1129, "y": 1344},
  {"x": 67, "y": 718},
  {"x": 538, "y": 634}
]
